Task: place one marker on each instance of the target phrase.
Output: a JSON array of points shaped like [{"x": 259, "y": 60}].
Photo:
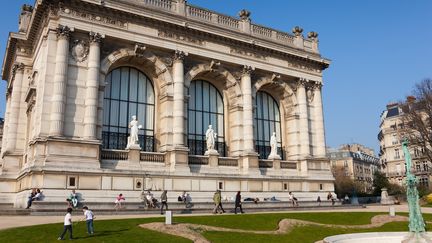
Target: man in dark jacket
[
  {"x": 238, "y": 203},
  {"x": 164, "y": 200}
]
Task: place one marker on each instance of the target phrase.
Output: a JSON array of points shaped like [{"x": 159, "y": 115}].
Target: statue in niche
[
  {"x": 133, "y": 137},
  {"x": 210, "y": 141},
  {"x": 273, "y": 145}
]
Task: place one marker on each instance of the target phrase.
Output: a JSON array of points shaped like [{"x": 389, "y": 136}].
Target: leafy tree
[
  {"x": 379, "y": 181},
  {"x": 344, "y": 184}
]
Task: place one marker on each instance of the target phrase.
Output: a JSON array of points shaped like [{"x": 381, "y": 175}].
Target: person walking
[
  {"x": 238, "y": 203},
  {"x": 67, "y": 225},
  {"x": 217, "y": 199},
  {"x": 164, "y": 200},
  {"x": 89, "y": 216}
]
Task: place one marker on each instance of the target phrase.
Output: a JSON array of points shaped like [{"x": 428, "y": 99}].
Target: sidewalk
[{"x": 18, "y": 221}]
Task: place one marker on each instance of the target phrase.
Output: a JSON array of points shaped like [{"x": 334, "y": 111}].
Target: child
[
  {"x": 67, "y": 225},
  {"x": 118, "y": 200},
  {"x": 88, "y": 216}
]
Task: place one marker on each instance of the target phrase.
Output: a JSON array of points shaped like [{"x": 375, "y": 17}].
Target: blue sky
[{"x": 379, "y": 50}]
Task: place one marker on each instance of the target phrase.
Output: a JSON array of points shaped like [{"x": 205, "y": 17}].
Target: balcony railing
[
  {"x": 114, "y": 154},
  {"x": 152, "y": 157},
  {"x": 221, "y": 20},
  {"x": 198, "y": 160},
  {"x": 225, "y": 161}
]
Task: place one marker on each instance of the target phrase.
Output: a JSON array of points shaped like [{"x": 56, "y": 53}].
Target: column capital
[
  {"x": 317, "y": 86},
  {"x": 63, "y": 32},
  {"x": 247, "y": 70},
  {"x": 18, "y": 66},
  {"x": 302, "y": 82},
  {"x": 179, "y": 56},
  {"x": 96, "y": 37}
]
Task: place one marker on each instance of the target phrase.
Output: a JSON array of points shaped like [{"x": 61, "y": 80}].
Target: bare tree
[{"x": 417, "y": 118}]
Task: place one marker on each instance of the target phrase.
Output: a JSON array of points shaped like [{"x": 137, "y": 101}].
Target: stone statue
[
  {"x": 273, "y": 145},
  {"x": 210, "y": 140},
  {"x": 133, "y": 137}
]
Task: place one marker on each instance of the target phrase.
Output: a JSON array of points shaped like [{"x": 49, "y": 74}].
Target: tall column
[
  {"x": 92, "y": 87},
  {"x": 246, "y": 86},
  {"x": 303, "y": 119},
  {"x": 60, "y": 82},
  {"x": 319, "y": 121},
  {"x": 178, "y": 108},
  {"x": 14, "y": 111}
]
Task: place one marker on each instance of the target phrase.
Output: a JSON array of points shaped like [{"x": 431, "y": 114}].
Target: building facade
[
  {"x": 391, "y": 154},
  {"x": 78, "y": 70},
  {"x": 357, "y": 161}
]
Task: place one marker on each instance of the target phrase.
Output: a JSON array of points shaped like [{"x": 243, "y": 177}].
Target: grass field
[{"x": 128, "y": 230}]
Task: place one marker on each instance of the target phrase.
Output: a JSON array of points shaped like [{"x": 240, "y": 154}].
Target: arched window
[
  {"x": 205, "y": 108},
  {"x": 128, "y": 92},
  {"x": 266, "y": 121}
]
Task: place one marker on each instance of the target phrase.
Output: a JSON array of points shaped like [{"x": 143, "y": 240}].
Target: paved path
[{"x": 18, "y": 221}]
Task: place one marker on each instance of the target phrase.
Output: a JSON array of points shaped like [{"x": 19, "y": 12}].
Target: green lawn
[{"x": 128, "y": 230}]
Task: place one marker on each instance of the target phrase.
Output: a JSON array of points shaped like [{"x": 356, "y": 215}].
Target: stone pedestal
[
  {"x": 385, "y": 200},
  {"x": 214, "y": 159},
  {"x": 249, "y": 164},
  {"x": 177, "y": 159},
  {"x": 276, "y": 164},
  {"x": 134, "y": 153}
]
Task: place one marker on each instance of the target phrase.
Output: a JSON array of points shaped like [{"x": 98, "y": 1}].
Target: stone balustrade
[
  {"x": 318, "y": 165},
  {"x": 288, "y": 165},
  {"x": 224, "y": 21},
  {"x": 198, "y": 160},
  {"x": 152, "y": 157},
  {"x": 113, "y": 154},
  {"x": 264, "y": 163},
  {"x": 226, "y": 161}
]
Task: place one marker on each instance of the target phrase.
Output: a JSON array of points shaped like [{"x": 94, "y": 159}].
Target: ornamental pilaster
[
  {"x": 303, "y": 118},
  {"x": 14, "y": 109},
  {"x": 178, "y": 99},
  {"x": 60, "y": 81},
  {"x": 319, "y": 121},
  {"x": 92, "y": 87},
  {"x": 246, "y": 86}
]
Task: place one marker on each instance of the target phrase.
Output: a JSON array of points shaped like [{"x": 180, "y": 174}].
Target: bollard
[
  {"x": 168, "y": 217},
  {"x": 392, "y": 212}
]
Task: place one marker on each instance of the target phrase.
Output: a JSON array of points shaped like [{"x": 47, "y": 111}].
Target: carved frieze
[
  {"x": 247, "y": 53},
  {"x": 79, "y": 50},
  {"x": 180, "y": 37},
  {"x": 304, "y": 66},
  {"x": 81, "y": 14}
]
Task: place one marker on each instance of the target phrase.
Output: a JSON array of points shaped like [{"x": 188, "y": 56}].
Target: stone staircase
[{"x": 104, "y": 208}]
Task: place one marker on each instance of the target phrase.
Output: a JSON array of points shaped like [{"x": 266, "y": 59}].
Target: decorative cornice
[
  {"x": 180, "y": 37},
  {"x": 98, "y": 19},
  {"x": 247, "y": 53},
  {"x": 63, "y": 32},
  {"x": 179, "y": 56}
]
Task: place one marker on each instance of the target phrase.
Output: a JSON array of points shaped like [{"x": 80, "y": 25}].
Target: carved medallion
[{"x": 79, "y": 50}]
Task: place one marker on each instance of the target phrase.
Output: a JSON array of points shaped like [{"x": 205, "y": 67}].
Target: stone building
[
  {"x": 78, "y": 70},
  {"x": 1, "y": 131},
  {"x": 357, "y": 161},
  {"x": 391, "y": 154}
]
